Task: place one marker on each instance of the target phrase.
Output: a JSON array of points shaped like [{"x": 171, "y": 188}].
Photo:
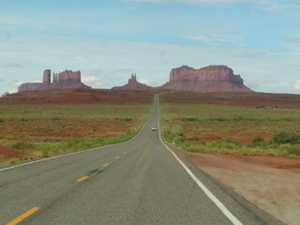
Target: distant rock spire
[{"x": 133, "y": 84}]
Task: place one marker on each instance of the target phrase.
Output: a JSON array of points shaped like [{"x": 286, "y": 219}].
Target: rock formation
[
  {"x": 64, "y": 80},
  {"x": 133, "y": 84},
  {"x": 207, "y": 79}
]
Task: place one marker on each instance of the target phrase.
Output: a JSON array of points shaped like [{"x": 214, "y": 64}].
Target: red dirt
[
  {"x": 64, "y": 129},
  {"x": 270, "y": 161},
  {"x": 271, "y": 183},
  {"x": 258, "y": 100},
  {"x": 79, "y": 97},
  {"x": 192, "y": 133},
  {"x": 7, "y": 153},
  {"x": 221, "y": 161}
]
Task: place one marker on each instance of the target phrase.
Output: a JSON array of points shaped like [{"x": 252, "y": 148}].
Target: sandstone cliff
[
  {"x": 207, "y": 79},
  {"x": 133, "y": 84}
]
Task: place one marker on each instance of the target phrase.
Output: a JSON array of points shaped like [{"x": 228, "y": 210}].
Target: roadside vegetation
[
  {"x": 232, "y": 129},
  {"x": 29, "y": 132}
]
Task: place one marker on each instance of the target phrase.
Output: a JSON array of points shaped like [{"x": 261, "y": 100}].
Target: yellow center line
[
  {"x": 106, "y": 165},
  {"x": 81, "y": 179},
  {"x": 24, "y": 216}
]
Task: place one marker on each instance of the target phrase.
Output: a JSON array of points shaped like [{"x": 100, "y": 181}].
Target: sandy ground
[{"x": 271, "y": 183}]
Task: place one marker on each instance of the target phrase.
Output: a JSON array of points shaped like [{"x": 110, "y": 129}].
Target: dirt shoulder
[{"x": 271, "y": 183}]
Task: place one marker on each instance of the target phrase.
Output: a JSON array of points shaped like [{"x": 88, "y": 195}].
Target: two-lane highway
[{"x": 139, "y": 182}]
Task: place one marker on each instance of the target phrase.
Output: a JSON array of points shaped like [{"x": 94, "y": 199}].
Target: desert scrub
[
  {"x": 259, "y": 142},
  {"x": 46, "y": 130},
  {"x": 78, "y": 144},
  {"x": 286, "y": 137},
  {"x": 173, "y": 134},
  {"x": 231, "y": 129}
]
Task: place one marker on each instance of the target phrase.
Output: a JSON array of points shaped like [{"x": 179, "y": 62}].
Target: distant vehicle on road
[{"x": 154, "y": 129}]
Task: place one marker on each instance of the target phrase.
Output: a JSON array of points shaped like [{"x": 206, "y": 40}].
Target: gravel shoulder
[{"x": 270, "y": 183}]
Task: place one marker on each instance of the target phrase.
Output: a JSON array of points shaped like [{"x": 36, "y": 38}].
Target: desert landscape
[
  {"x": 248, "y": 141},
  {"x": 150, "y": 112}
]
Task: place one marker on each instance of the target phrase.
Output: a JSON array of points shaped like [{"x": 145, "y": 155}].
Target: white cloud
[
  {"x": 92, "y": 81},
  {"x": 144, "y": 81},
  {"x": 297, "y": 86},
  {"x": 213, "y": 38},
  {"x": 200, "y": 37},
  {"x": 293, "y": 40},
  {"x": 272, "y": 5}
]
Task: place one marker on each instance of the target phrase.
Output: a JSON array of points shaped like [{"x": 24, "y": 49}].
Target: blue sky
[{"x": 109, "y": 39}]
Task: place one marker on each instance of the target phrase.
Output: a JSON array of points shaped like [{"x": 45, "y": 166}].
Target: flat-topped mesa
[
  {"x": 209, "y": 73},
  {"x": 67, "y": 77},
  {"x": 64, "y": 80},
  {"x": 208, "y": 79},
  {"x": 133, "y": 84}
]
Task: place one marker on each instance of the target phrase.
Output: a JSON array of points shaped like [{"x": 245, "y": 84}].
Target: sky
[{"x": 110, "y": 39}]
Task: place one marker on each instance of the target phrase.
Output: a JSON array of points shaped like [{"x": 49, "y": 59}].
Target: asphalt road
[{"x": 135, "y": 183}]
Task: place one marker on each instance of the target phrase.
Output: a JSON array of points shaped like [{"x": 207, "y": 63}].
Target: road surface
[{"x": 139, "y": 182}]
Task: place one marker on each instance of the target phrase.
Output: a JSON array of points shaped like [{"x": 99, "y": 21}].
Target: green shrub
[
  {"x": 21, "y": 146},
  {"x": 225, "y": 144},
  {"x": 238, "y": 118},
  {"x": 286, "y": 137},
  {"x": 79, "y": 143},
  {"x": 293, "y": 150},
  {"x": 259, "y": 142},
  {"x": 218, "y": 119},
  {"x": 169, "y": 135},
  {"x": 173, "y": 135},
  {"x": 190, "y": 119},
  {"x": 126, "y": 119}
]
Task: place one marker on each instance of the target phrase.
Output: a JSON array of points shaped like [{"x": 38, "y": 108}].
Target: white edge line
[
  {"x": 73, "y": 153},
  {"x": 234, "y": 220}
]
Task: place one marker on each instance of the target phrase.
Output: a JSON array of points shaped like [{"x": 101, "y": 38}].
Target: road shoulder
[{"x": 234, "y": 199}]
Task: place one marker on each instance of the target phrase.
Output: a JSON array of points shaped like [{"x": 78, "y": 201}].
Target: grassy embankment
[
  {"x": 232, "y": 129},
  {"x": 36, "y": 131}
]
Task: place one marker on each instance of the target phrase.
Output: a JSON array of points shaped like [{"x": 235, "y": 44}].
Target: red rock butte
[
  {"x": 208, "y": 79},
  {"x": 133, "y": 84},
  {"x": 64, "y": 80}
]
